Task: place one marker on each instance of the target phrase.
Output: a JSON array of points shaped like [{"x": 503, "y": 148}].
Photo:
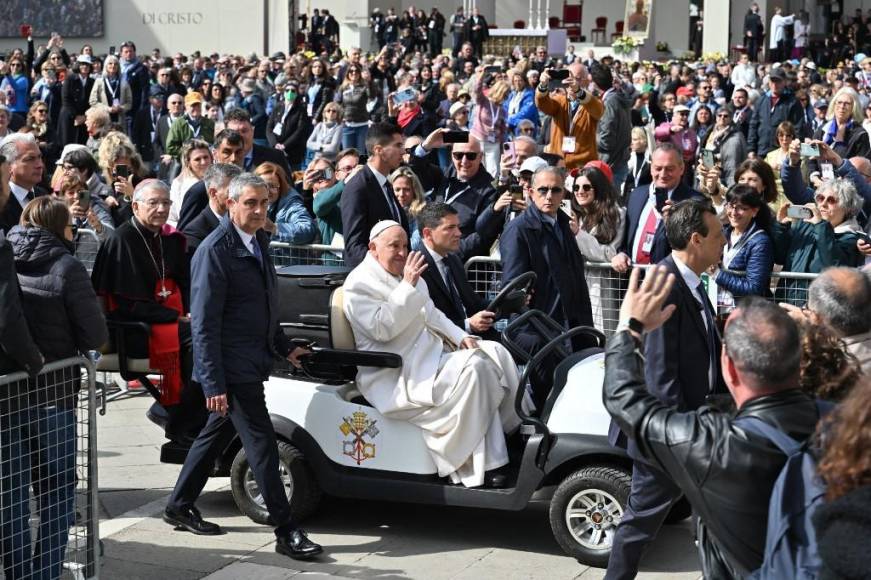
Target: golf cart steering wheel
[{"x": 512, "y": 297}]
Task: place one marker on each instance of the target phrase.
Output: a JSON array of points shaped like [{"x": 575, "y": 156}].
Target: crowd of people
[{"x": 186, "y": 167}]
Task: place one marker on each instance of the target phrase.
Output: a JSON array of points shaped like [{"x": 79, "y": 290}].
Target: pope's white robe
[{"x": 463, "y": 400}]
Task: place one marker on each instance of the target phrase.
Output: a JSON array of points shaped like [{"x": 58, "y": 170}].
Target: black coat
[
  {"x": 11, "y": 213},
  {"x": 560, "y": 289},
  {"x": 195, "y": 200},
  {"x": 843, "y": 526},
  {"x": 441, "y": 296},
  {"x": 762, "y": 135},
  {"x": 295, "y": 131},
  {"x": 198, "y": 229},
  {"x": 726, "y": 473},
  {"x": 856, "y": 144},
  {"x": 473, "y": 200},
  {"x": 74, "y": 102},
  {"x": 363, "y": 205},
  {"x": 149, "y": 148},
  {"x": 18, "y": 351},
  {"x": 260, "y": 154}
]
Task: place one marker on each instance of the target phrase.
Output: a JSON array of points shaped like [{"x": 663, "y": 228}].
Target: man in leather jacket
[{"x": 725, "y": 472}]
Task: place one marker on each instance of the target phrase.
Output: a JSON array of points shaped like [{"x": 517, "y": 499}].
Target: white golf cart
[{"x": 331, "y": 440}]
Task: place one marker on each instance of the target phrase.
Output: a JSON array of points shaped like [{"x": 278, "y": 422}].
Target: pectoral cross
[{"x": 164, "y": 293}]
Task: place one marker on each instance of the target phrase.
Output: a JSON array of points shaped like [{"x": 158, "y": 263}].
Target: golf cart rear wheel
[
  {"x": 586, "y": 510},
  {"x": 303, "y": 493}
]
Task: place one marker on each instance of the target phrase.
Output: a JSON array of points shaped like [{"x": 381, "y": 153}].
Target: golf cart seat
[{"x": 340, "y": 362}]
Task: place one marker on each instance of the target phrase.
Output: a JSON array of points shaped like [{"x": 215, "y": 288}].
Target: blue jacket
[
  {"x": 295, "y": 224},
  {"x": 527, "y": 110},
  {"x": 234, "y": 312},
  {"x": 755, "y": 259},
  {"x": 560, "y": 286}
]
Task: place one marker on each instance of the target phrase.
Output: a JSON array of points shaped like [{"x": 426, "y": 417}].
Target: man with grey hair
[
  {"x": 234, "y": 313},
  {"x": 217, "y": 182},
  {"x": 141, "y": 271},
  {"x": 25, "y": 172},
  {"x": 540, "y": 240},
  {"x": 841, "y": 298}
]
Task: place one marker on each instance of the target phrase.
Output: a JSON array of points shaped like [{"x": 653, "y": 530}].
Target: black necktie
[
  {"x": 708, "y": 314},
  {"x": 391, "y": 202},
  {"x": 452, "y": 288},
  {"x": 29, "y": 197}
]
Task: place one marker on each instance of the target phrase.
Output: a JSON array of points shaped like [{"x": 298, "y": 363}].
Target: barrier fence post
[{"x": 48, "y": 472}]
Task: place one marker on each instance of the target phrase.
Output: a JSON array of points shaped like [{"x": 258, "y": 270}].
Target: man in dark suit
[
  {"x": 217, "y": 182},
  {"x": 477, "y": 31},
  {"x": 75, "y": 95},
  {"x": 468, "y": 188},
  {"x": 239, "y": 120},
  {"x": 25, "y": 165},
  {"x": 445, "y": 276},
  {"x": 236, "y": 334},
  {"x": 644, "y": 239},
  {"x": 540, "y": 240},
  {"x": 228, "y": 148},
  {"x": 368, "y": 197},
  {"x": 145, "y": 123},
  {"x": 753, "y": 31},
  {"x": 682, "y": 371}
]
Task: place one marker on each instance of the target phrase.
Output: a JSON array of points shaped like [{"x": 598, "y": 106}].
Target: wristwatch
[{"x": 632, "y": 324}]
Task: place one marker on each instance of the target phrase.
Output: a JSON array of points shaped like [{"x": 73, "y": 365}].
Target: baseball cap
[
  {"x": 681, "y": 108},
  {"x": 532, "y": 164},
  {"x": 455, "y": 108},
  {"x": 776, "y": 74},
  {"x": 192, "y": 97}
]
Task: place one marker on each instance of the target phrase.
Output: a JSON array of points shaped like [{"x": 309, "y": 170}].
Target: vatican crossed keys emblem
[{"x": 357, "y": 428}]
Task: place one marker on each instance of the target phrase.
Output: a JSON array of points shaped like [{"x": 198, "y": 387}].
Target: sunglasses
[
  {"x": 470, "y": 155},
  {"x": 823, "y": 199},
  {"x": 586, "y": 187},
  {"x": 543, "y": 191}
]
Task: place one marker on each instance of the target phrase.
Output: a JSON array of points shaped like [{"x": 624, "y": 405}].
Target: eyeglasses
[
  {"x": 820, "y": 199},
  {"x": 409, "y": 150},
  {"x": 723, "y": 115},
  {"x": 586, "y": 187},
  {"x": 67, "y": 167},
  {"x": 353, "y": 71},
  {"x": 15, "y": 64},
  {"x": 152, "y": 203},
  {"x": 544, "y": 191},
  {"x": 525, "y": 129},
  {"x": 41, "y": 111},
  {"x": 470, "y": 155}
]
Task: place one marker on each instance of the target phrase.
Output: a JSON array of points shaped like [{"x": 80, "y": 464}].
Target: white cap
[
  {"x": 380, "y": 227},
  {"x": 533, "y": 164}
]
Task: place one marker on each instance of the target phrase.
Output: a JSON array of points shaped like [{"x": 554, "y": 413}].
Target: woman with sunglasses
[
  {"x": 47, "y": 90},
  {"x": 353, "y": 96},
  {"x": 597, "y": 221},
  {"x": 748, "y": 257},
  {"x": 40, "y": 126},
  {"x": 824, "y": 239},
  {"x": 727, "y": 143}
]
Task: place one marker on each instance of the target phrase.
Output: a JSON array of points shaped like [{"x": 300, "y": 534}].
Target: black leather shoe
[
  {"x": 297, "y": 545},
  {"x": 495, "y": 480},
  {"x": 191, "y": 521}
]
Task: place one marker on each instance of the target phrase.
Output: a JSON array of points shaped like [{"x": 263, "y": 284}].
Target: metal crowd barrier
[
  {"x": 87, "y": 244},
  {"x": 48, "y": 473},
  {"x": 485, "y": 275},
  {"x": 607, "y": 287},
  {"x": 284, "y": 254}
]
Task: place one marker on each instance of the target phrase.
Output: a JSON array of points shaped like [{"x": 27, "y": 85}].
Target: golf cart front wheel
[
  {"x": 303, "y": 493},
  {"x": 586, "y": 510}
]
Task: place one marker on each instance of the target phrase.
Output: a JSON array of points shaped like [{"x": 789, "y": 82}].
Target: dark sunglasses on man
[{"x": 470, "y": 155}]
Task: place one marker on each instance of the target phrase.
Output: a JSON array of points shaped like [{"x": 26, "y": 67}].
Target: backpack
[{"x": 790, "y": 539}]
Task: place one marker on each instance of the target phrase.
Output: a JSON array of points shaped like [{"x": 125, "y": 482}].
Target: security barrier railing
[
  {"x": 48, "y": 472},
  {"x": 284, "y": 254},
  {"x": 87, "y": 245}
]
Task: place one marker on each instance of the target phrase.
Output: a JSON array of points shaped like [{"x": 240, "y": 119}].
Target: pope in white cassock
[{"x": 458, "y": 389}]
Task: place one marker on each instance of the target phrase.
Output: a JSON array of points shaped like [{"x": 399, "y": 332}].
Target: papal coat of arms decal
[{"x": 358, "y": 427}]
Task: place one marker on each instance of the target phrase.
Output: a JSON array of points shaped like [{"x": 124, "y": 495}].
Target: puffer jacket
[
  {"x": 59, "y": 302},
  {"x": 726, "y": 473}
]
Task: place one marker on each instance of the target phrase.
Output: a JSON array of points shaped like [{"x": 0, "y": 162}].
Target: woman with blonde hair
[
  {"x": 112, "y": 90},
  {"x": 490, "y": 119},
  {"x": 118, "y": 157},
  {"x": 196, "y": 157},
  {"x": 409, "y": 194}
]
